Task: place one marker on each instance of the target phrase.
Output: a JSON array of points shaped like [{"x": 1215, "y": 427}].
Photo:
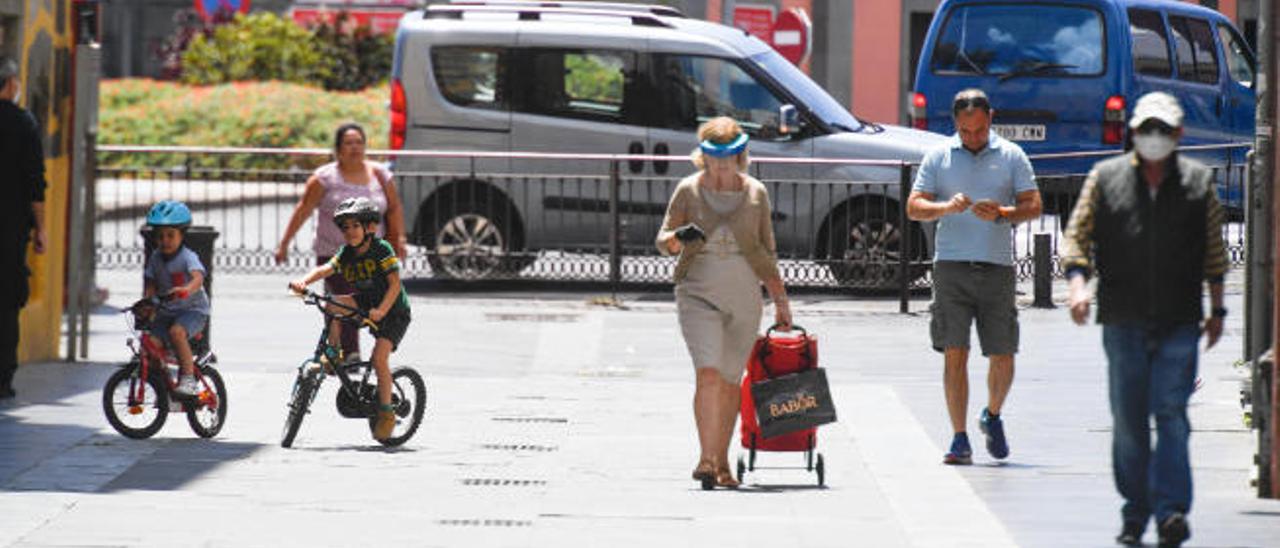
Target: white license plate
[{"x": 1020, "y": 132}]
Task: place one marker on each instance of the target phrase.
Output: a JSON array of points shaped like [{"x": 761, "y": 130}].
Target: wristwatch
[{"x": 1219, "y": 312}]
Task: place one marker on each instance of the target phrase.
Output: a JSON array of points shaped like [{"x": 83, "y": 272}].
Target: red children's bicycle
[{"x": 140, "y": 395}]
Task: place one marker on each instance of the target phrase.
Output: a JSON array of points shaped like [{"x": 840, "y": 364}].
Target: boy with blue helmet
[{"x": 175, "y": 272}]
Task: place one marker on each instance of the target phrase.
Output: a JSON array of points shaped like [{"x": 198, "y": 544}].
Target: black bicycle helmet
[{"x": 363, "y": 209}]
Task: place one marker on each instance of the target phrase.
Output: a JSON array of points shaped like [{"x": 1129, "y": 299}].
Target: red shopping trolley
[{"x": 775, "y": 356}]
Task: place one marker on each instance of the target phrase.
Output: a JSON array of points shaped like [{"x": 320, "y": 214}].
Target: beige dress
[{"x": 719, "y": 301}]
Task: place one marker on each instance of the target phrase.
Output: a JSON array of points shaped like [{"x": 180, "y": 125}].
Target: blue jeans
[{"x": 1151, "y": 372}]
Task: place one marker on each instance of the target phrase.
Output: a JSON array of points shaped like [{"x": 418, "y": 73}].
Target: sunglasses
[
  {"x": 1156, "y": 127},
  {"x": 970, "y": 102}
]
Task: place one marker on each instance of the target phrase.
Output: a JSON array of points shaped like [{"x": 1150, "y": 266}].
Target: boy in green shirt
[{"x": 370, "y": 265}]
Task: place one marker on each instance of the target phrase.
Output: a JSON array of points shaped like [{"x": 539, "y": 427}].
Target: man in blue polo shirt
[{"x": 976, "y": 185}]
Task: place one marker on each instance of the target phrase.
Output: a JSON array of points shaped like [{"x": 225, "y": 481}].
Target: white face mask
[{"x": 1154, "y": 148}]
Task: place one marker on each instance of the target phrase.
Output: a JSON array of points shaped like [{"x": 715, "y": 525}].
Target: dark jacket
[
  {"x": 1152, "y": 256},
  {"x": 21, "y": 184},
  {"x": 21, "y": 170}
]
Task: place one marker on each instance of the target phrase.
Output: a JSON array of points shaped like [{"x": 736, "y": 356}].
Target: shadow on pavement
[
  {"x": 54, "y": 438},
  {"x": 177, "y": 462}
]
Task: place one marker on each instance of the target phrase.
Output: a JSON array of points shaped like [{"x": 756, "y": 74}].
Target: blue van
[{"x": 1063, "y": 76}]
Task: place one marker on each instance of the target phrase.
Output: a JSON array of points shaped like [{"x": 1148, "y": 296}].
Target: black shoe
[
  {"x": 1130, "y": 534},
  {"x": 1174, "y": 530},
  {"x": 7, "y": 392}
]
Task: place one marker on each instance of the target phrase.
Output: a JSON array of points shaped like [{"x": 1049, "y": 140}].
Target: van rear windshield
[{"x": 1020, "y": 40}]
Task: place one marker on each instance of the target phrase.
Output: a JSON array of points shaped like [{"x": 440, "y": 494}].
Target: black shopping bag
[{"x": 793, "y": 402}]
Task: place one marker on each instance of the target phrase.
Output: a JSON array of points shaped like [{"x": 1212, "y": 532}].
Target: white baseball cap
[{"x": 1158, "y": 105}]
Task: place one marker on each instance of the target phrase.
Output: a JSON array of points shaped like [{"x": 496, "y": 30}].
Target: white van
[{"x": 587, "y": 77}]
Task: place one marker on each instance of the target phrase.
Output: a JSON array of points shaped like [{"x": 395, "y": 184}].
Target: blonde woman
[{"x": 718, "y": 222}]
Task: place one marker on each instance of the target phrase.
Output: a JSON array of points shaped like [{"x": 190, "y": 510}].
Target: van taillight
[
  {"x": 399, "y": 115},
  {"x": 917, "y": 112},
  {"x": 1113, "y": 121}
]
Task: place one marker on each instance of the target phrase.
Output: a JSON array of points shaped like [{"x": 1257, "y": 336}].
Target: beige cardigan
[{"x": 751, "y": 224}]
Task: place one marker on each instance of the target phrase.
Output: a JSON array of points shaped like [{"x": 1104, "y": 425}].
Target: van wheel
[
  {"x": 861, "y": 244},
  {"x": 473, "y": 242}
]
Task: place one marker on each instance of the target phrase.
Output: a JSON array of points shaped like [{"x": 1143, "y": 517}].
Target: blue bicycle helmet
[{"x": 169, "y": 213}]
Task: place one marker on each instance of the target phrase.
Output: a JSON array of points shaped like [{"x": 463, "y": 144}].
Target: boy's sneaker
[
  {"x": 1174, "y": 530},
  {"x": 187, "y": 386},
  {"x": 386, "y": 423},
  {"x": 993, "y": 429},
  {"x": 960, "y": 452}
]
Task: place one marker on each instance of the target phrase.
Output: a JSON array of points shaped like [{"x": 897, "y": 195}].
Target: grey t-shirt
[{"x": 176, "y": 272}]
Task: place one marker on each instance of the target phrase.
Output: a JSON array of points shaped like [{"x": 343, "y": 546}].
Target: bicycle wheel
[
  {"x": 409, "y": 395},
  {"x": 304, "y": 390},
  {"x": 134, "y": 415},
  {"x": 207, "y": 414}
]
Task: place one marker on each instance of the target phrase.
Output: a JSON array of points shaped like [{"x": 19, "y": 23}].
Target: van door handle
[
  {"x": 660, "y": 166},
  {"x": 635, "y": 166}
]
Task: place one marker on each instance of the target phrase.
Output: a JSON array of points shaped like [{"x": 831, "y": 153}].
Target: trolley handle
[{"x": 764, "y": 348}]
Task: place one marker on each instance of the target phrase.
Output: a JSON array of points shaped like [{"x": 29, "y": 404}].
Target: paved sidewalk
[{"x": 554, "y": 422}]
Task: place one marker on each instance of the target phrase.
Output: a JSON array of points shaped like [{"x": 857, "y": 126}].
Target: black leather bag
[{"x": 793, "y": 402}]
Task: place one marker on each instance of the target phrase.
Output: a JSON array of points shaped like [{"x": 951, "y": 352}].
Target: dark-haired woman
[{"x": 349, "y": 176}]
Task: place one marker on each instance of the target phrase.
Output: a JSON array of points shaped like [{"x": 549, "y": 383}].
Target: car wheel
[
  {"x": 474, "y": 242},
  {"x": 861, "y": 245}
]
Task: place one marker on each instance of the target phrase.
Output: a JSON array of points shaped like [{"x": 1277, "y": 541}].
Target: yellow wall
[{"x": 46, "y": 79}]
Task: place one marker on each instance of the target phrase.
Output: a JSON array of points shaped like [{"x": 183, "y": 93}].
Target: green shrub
[
  {"x": 258, "y": 46},
  {"x": 358, "y": 58},
  {"x": 243, "y": 114}
]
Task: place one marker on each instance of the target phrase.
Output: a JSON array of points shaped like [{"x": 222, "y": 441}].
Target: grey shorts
[
  {"x": 967, "y": 291},
  {"x": 190, "y": 320}
]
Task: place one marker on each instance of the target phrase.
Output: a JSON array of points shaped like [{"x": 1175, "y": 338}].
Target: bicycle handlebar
[{"x": 312, "y": 298}]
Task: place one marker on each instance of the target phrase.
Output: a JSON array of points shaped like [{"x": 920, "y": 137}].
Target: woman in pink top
[{"x": 350, "y": 176}]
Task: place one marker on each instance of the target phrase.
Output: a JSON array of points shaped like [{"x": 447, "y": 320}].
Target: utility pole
[{"x": 1266, "y": 412}]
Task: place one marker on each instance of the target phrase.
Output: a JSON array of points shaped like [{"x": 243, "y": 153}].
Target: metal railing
[{"x": 594, "y": 224}]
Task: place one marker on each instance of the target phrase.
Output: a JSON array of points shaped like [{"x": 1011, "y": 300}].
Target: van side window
[
  {"x": 1150, "y": 43},
  {"x": 471, "y": 76},
  {"x": 1195, "y": 48},
  {"x": 586, "y": 84},
  {"x": 1239, "y": 58},
  {"x": 697, "y": 89}
]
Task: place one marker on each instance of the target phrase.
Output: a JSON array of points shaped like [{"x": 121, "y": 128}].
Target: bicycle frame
[
  {"x": 152, "y": 349},
  {"x": 355, "y": 317}
]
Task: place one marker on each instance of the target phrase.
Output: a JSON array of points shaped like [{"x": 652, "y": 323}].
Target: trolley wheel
[
  {"x": 742, "y": 469},
  {"x": 708, "y": 483},
  {"x": 751, "y": 462},
  {"x": 821, "y": 468}
]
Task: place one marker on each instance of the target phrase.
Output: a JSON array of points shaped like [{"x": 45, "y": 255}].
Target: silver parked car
[{"x": 579, "y": 77}]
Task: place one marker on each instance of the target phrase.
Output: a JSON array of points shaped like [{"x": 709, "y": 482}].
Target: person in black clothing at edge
[{"x": 22, "y": 187}]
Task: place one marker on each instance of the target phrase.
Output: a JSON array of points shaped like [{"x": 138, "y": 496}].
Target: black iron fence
[{"x": 595, "y": 224}]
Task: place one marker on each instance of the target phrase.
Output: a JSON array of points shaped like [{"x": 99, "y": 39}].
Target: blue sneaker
[
  {"x": 993, "y": 428},
  {"x": 960, "y": 452}
]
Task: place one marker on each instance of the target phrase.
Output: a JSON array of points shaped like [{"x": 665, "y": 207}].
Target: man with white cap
[{"x": 1150, "y": 225}]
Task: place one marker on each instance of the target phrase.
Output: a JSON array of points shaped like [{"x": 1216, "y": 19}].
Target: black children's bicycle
[{"x": 358, "y": 394}]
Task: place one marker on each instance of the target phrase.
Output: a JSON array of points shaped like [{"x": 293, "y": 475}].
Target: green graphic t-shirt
[{"x": 368, "y": 274}]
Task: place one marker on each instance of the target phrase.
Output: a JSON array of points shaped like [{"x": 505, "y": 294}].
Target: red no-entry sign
[
  {"x": 208, "y": 8},
  {"x": 793, "y": 35}
]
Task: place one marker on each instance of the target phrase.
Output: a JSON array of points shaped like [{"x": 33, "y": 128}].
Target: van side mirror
[{"x": 788, "y": 120}]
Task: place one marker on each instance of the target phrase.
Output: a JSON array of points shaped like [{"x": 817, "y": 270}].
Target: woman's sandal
[
  {"x": 725, "y": 479},
  {"x": 705, "y": 470}
]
